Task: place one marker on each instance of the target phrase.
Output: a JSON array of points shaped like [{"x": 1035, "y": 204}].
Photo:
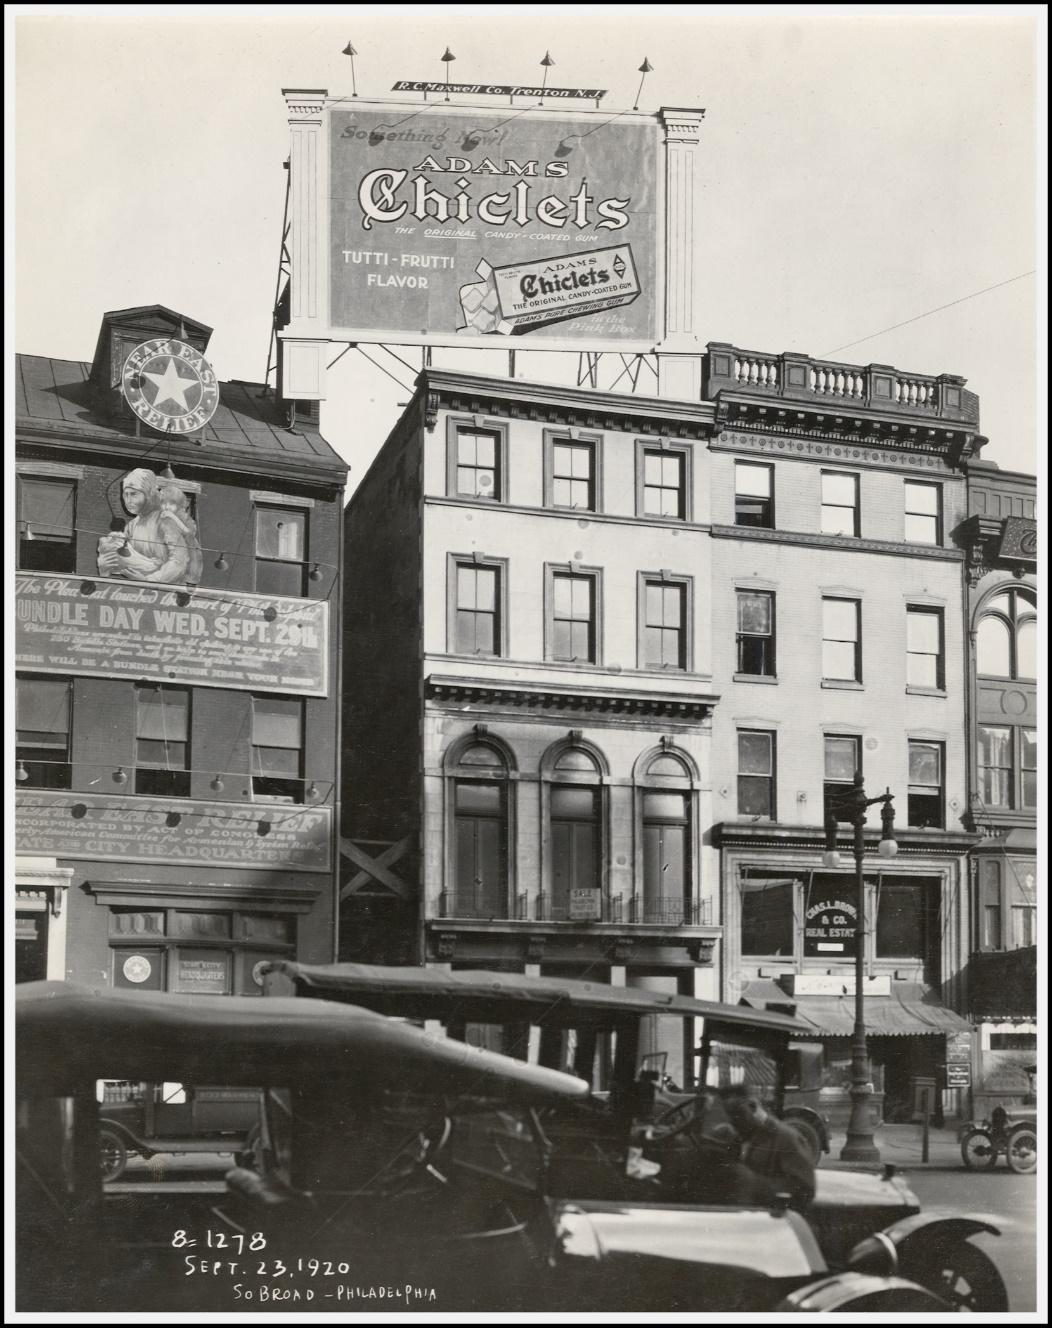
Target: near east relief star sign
[{"x": 170, "y": 386}]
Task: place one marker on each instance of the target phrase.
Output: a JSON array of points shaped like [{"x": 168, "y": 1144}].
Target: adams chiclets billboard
[{"x": 455, "y": 224}]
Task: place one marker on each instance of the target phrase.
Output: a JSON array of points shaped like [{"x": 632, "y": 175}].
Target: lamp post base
[{"x": 860, "y": 1146}]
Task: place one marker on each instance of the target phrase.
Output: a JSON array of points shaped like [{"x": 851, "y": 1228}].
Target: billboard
[
  {"x": 146, "y": 631},
  {"x": 166, "y": 830},
  {"x": 478, "y": 226}
]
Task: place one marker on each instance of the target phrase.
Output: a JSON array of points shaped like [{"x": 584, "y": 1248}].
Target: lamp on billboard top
[{"x": 475, "y": 226}]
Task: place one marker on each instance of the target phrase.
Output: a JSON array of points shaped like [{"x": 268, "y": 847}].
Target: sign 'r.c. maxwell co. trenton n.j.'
[{"x": 460, "y": 223}]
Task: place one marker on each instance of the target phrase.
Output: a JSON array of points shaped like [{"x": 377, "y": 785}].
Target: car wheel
[
  {"x": 960, "y": 1274},
  {"x": 808, "y": 1136},
  {"x": 1022, "y": 1152},
  {"x": 978, "y": 1151},
  {"x": 113, "y": 1156}
]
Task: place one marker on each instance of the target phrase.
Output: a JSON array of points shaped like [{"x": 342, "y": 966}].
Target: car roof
[
  {"x": 487, "y": 996},
  {"x": 68, "y": 1036}
]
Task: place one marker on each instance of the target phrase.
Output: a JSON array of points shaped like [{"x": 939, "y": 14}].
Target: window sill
[
  {"x": 925, "y": 691},
  {"x": 842, "y": 684},
  {"x": 770, "y": 679}
]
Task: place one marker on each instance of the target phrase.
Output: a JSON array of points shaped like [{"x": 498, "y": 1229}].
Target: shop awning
[{"x": 912, "y": 1008}]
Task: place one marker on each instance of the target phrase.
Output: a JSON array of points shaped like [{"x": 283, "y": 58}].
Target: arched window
[
  {"x": 1006, "y": 637},
  {"x": 575, "y": 822},
  {"x": 478, "y": 887},
  {"x": 666, "y": 805}
]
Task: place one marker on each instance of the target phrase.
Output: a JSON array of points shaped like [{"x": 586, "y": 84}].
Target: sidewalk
[{"x": 903, "y": 1146}]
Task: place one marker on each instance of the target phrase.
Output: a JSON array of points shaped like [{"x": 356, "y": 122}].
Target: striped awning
[{"x": 911, "y": 1009}]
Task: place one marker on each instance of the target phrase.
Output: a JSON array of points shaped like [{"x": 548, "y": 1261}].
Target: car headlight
[{"x": 876, "y": 1254}]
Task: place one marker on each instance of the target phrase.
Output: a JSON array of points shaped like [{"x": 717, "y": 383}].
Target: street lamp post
[{"x": 851, "y": 809}]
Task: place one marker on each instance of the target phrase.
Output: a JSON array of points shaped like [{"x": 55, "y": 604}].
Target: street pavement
[
  {"x": 902, "y": 1145},
  {"x": 944, "y": 1184}
]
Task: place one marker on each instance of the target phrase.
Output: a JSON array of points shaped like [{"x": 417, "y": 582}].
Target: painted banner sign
[
  {"x": 116, "y": 829},
  {"x": 120, "y": 629},
  {"x": 496, "y": 89},
  {"x": 460, "y": 224}
]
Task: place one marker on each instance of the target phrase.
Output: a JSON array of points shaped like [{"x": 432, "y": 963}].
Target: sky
[{"x": 864, "y": 166}]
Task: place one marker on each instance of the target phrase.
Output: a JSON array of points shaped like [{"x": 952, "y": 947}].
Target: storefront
[{"x": 791, "y": 936}]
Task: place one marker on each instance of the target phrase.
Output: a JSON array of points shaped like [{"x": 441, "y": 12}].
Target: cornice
[
  {"x": 770, "y": 834},
  {"x": 214, "y": 455},
  {"x": 542, "y": 941},
  {"x": 838, "y": 543},
  {"x": 958, "y": 441},
  {"x": 558, "y": 697},
  {"x": 802, "y": 443},
  {"x": 550, "y": 403}
]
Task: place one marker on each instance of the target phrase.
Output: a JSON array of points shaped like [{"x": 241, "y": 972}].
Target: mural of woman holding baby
[{"x": 159, "y": 541}]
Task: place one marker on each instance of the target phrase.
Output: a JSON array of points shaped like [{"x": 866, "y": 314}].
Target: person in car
[{"x": 773, "y": 1160}]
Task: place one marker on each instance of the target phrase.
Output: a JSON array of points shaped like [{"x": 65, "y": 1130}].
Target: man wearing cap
[{"x": 773, "y": 1159}]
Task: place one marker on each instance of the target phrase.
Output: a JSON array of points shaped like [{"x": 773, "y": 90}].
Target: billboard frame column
[
  {"x": 303, "y": 343},
  {"x": 679, "y": 353}
]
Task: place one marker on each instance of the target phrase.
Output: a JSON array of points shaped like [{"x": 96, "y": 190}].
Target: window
[
  {"x": 753, "y": 494},
  {"x": 571, "y": 473},
  {"x": 477, "y": 463},
  {"x": 1006, "y": 640},
  {"x": 995, "y": 766},
  {"x": 162, "y": 741},
  {"x": 47, "y": 539},
  {"x": 907, "y": 920},
  {"x": 925, "y": 785},
  {"x": 1024, "y": 926},
  {"x": 841, "y": 640},
  {"x": 843, "y": 757},
  {"x": 277, "y": 749},
  {"x": 664, "y": 624},
  {"x": 197, "y": 953},
  {"x": 990, "y": 904},
  {"x": 666, "y": 856},
  {"x": 665, "y": 803},
  {"x": 1028, "y": 772},
  {"x": 572, "y": 635},
  {"x": 756, "y": 770},
  {"x": 42, "y": 708},
  {"x": 839, "y": 503},
  {"x": 924, "y": 648},
  {"x": 756, "y": 633},
  {"x": 767, "y": 917},
  {"x": 477, "y": 628},
  {"x": 480, "y": 836},
  {"x": 1013, "y": 1042},
  {"x": 923, "y": 513},
  {"x": 281, "y": 545},
  {"x": 661, "y": 481},
  {"x": 575, "y": 822}
]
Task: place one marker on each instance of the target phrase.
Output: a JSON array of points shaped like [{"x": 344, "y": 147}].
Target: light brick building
[
  {"x": 838, "y": 644},
  {"x": 606, "y": 656}
]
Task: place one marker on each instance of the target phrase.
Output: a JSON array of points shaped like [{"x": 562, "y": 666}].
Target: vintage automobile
[
  {"x": 391, "y": 1159},
  {"x": 594, "y": 1142},
  {"x": 145, "y": 1119},
  {"x": 1011, "y": 1131}
]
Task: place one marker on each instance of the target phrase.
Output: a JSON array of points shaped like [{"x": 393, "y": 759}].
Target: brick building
[
  {"x": 606, "y": 657},
  {"x": 838, "y": 645},
  {"x": 176, "y": 764},
  {"x": 1000, "y": 540},
  {"x": 528, "y": 696}
]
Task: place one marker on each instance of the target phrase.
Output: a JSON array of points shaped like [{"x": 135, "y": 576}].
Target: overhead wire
[{"x": 928, "y": 313}]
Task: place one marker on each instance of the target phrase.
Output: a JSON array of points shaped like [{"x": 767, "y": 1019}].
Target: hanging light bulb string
[{"x": 312, "y": 785}]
